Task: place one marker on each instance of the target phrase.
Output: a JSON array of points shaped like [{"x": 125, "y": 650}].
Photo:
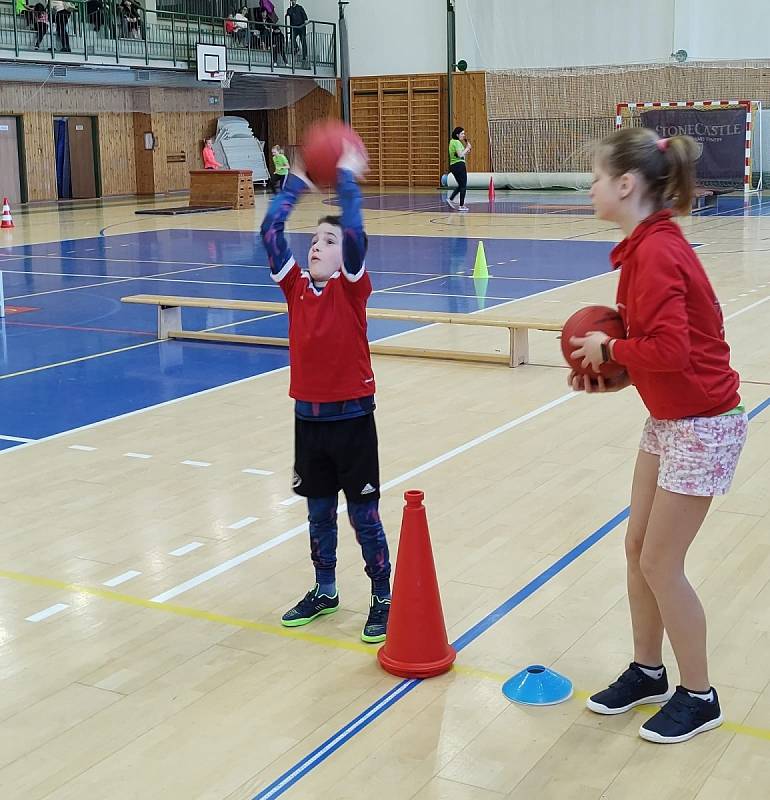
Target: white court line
[
  {"x": 137, "y": 455},
  {"x": 6, "y": 438},
  {"x": 108, "y": 282},
  {"x": 197, "y": 580},
  {"x": 82, "y": 447},
  {"x": 185, "y": 549},
  {"x": 252, "y": 471},
  {"x": 242, "y": 523},
  {"x": 47, "y": 612},
  {"x": 196, "y": 463},
  {"x": 122, "y": 578}
]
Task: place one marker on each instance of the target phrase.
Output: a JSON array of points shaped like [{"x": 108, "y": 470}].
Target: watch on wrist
[{"x": 606, "y": 351}]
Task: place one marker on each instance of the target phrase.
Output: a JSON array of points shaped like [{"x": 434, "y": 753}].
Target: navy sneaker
[
  {"x": 683, "y": 717},
  {"x": 312, "y": 605},
  {"x": 633, "y": 688},
  {"x": 377, "y": 623}
]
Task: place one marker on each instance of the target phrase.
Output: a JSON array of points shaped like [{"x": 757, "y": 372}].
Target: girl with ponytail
[{"x": 676, "y": 356}]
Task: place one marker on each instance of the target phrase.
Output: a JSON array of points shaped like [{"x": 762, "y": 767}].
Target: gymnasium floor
[{"x": 150, "y": 539}]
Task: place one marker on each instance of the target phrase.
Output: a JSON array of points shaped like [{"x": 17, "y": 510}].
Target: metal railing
[{"x": 170, "y": 38}]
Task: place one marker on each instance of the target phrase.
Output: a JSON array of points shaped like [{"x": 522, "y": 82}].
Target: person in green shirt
[
  {"x": 459, "y": 147},
  {"x": 281, "y": 167}
]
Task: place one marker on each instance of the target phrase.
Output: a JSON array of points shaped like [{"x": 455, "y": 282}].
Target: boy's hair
[
  {"x": 331, "y": 219},
  {"x": 457, "y": 131},
  {"x": 667, "y": 166}
]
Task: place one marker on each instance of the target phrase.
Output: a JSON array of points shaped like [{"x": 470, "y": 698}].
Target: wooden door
[
  {"x": 81, "y": 146},
  {"x": 10, "y": 185}
]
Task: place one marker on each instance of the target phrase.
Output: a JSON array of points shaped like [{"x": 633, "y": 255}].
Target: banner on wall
[{"x": 721, "y": 133}]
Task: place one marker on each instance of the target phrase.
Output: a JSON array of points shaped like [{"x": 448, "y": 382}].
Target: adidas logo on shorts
[{"x": 368, "y": 489}]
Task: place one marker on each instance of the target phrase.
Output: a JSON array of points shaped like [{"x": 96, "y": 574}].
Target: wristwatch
[{"x": 606, "y": 351}]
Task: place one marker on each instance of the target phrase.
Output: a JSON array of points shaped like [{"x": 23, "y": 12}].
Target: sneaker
[
  {"x": 633, "y": 688},
  {"x": 683, "y": 717},
  {"x": 452, "y": 203},
  {"x": 377, "y": 622},
  {"x": 463, "y": 208},
  {"x": 312, "y": 605}
]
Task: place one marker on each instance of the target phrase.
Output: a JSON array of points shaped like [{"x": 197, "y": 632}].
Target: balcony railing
[{"x": 166, "y": 39}]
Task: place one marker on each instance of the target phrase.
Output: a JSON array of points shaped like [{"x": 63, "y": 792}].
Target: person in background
[
  {"x": 281, "y": 167},
  {"x": 229, "y": 25},
  {"x": 41, "y": 23},
  {"x": 298, "y": 21},
  {"x": 241, "y": 20},
  {"x": 26, "y": 13},
  {"x": 459, "y": 147},
  {"x": 61, "y": 15},
  {"x": 209, "y": 159}
]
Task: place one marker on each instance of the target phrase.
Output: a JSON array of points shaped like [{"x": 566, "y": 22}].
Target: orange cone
[
  {"x": 7, "y": 219},
  {"x": 417, "y": 645},
  {"x": 491, "y": 189}
]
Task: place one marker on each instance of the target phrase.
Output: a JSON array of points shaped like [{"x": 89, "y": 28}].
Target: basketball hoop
[{"x": 225, "y": 78}]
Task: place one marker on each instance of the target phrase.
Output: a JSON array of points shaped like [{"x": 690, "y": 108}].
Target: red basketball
[
  {"x": 322, "y": 147},
  {"x": 592, "y": 318}
]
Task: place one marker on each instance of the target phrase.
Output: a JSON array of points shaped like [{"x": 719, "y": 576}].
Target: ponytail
[{"x": 681, "y": 152}]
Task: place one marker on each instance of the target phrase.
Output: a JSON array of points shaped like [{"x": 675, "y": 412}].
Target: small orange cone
[
  {"x": 7, "y": 219},
  {"x": 417, "y": 645},
  {"x": 492, "y": 189}
]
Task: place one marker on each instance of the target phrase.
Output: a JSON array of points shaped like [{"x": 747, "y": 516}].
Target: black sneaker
[
  {"x": 377, "y": 622},
  {"x": 683, "y": 717},
  {"x": 632, "y": 688},
  {"x": 312, "y": 605}
]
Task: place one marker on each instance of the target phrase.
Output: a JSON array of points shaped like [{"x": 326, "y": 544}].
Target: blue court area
[{"x": 72, "y": 354}]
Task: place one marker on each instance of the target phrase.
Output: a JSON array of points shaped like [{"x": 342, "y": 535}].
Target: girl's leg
[
  {"x": 646, "y": 621},
  {"x": 674, "y": 521}
]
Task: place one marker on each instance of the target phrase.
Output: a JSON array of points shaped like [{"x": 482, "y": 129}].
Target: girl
[
  {"x": 209, "y": 159},
  {"x": 41, "y": 23},
  {"x": 459, "y": 147},
  {"x": 677, "y": 358}
]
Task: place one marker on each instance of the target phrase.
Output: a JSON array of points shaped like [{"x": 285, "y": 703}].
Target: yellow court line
[
  {"x": 288, "y": 633},
  {"x": 190, "y": 613}
]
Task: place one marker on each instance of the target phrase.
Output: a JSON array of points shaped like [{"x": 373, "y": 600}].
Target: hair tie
[{"x": 662, "y": 145}]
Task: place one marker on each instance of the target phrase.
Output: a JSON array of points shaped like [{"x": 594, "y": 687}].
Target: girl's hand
[
  {"x": 354, "y": 160},
  {"x": 589, "y": 348},
  {"x": 590, "y": 384}
]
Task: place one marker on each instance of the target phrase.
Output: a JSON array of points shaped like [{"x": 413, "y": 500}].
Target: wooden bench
[{"x": 170, "y": 327}]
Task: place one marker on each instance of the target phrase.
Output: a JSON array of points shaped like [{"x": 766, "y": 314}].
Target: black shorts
[{"x": 329, "y": 456}]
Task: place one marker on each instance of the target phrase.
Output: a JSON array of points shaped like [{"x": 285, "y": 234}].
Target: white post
[{"x": 2, "y": 298}]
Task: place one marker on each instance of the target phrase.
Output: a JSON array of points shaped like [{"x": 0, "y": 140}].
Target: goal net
[{"x": 723, "y": 128}]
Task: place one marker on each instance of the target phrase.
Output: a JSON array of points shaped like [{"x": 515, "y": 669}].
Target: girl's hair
[
  {"x": 457, "y": 131},
  {"x": 667, "y": 166}
]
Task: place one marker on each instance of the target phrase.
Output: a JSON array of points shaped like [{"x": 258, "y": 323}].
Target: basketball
[
  {"x": 322, "y": 147},
  {"x": 592, "y": 318}
]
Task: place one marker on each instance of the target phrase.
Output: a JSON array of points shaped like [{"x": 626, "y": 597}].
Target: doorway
[{"x": 75, "y": 158}]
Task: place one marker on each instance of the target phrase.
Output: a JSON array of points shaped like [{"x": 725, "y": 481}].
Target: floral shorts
[{"x": 698, "y": 455}]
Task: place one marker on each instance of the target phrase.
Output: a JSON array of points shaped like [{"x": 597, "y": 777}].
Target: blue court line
[{"x": 401, "y": 689}]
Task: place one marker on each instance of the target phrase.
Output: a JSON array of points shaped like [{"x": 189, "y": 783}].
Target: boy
[
  {"x": 335, "y": 444},
  {"x": 280, "y": 167}
]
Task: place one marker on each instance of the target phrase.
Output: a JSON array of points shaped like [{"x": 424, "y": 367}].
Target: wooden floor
[{"x": 201, "y": 695}]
